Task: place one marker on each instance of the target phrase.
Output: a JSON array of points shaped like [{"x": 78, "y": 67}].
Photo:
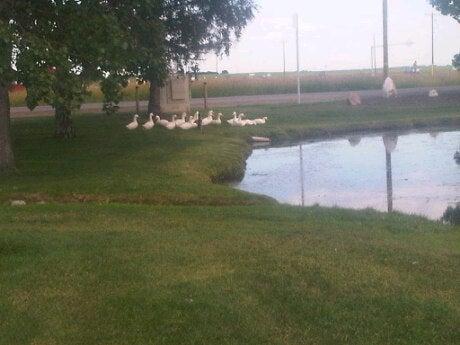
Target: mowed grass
[
  {"x": 133, "y": 274},
  {"x": 277, "y": 83},
  {"x": 137, "y": 243},
  {"x": 106, "y": 162}
]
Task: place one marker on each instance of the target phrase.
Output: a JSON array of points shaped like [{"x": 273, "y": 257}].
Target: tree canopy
[
  {"x": 456, "y": 61},
  {"x": 448, "y": 7},
  {"x": 55, "y": 48}
]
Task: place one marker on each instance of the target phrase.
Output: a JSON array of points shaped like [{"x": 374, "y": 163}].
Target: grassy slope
[
  {"x": 92, "y": 273},
  {"x": 119, "y": 274}
]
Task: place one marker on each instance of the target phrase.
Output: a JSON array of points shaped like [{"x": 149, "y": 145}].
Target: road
[{"x": 235, "y": 101}]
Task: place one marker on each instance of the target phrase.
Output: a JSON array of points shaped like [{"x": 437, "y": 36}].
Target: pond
[{"x": 414, "y": 173}]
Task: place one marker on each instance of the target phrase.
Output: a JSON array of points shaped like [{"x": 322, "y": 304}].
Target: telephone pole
[
  {"x": 386, "y": 71},
  {"x": 284, "y": 59},
  {"x": 432, "y": 44},
  {"x": 296, "y": 23}
]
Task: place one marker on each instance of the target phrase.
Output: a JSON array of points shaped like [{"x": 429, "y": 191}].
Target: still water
[{"x": 413, "y": 173}]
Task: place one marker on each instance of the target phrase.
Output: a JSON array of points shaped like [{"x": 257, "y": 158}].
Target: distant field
[{"x": 276, "y": 83}]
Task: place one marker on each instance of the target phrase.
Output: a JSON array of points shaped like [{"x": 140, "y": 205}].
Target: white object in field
[
  {"x": 133, "y": 125},
  {"x": 189, "y": 124},
  {"x": 239, "y": 121},
  {"x": 181, "y": 121},
  {"x": 389, "y": 88},
  {"x": 354, "y": 99},
  {"x": 433, "y": 93},
  {"x": 165, "y": 122},
  {"x": 260, "y": 121},
  {"x": 18, "y": 203},
  {"x": 196, "y": 116},
  {"x": 260, "y": 139},
  {"x": 171, "y": 124},
  {"x": 233, "y": 121},
  {"x": 149, "y": 124},
  {"x": 208, "y": 119},
  {"x": 248, "y": 122},
  {"x": 217, "y": 121}
]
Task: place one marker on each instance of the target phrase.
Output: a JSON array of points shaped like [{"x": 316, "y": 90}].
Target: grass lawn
[{"x": 138, "y": 244}]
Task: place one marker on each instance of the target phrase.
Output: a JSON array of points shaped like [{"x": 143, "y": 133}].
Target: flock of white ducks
[{"x": 192, "y": 121}]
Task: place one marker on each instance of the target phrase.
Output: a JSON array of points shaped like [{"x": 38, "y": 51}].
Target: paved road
[{"x": 235, "y": 101}]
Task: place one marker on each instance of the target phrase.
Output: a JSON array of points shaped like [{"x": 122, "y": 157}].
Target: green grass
[
  {"x": 120, "y": 274},
  {"x": 137, "y": 244}
]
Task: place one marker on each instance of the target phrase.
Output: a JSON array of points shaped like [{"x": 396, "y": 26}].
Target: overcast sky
[{"x": 338, "y": 34}]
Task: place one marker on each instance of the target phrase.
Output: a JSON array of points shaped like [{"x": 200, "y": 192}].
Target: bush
[
  {"x": 456, "y": 62},
  {"x": 452, "y": 215}
]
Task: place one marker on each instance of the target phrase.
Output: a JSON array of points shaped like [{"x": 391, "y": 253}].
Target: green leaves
[
  {"x": 456, "y": 61},
  {"x": 448, "y": 8}
]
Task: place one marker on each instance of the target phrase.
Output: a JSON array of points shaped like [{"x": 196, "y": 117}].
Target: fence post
[
  {"x": 205, "y": 95},
  {"x": 137, "y": 99}
]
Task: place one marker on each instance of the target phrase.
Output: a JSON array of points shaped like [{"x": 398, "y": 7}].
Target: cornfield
[{"x": 277, "y": 83}]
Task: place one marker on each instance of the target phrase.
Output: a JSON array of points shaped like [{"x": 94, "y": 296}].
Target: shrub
[{"x": 452, "y": 215}]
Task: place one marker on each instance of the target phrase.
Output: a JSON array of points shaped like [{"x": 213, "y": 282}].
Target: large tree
[
  {"x": 448, "y": 7},
  {"x": 55, "y": 48},
  {"x": 177, "y": 32},
  {"x": 75, "y": 62}
]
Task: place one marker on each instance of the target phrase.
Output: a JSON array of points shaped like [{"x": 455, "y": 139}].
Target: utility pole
[
  {"x": 372, "y": 60},
  {"x": 375, "y": 57},
  {"x": 386, "y": 71},
  {"x": 296, "y": 23},
  {"x": 284, "y": 59},
  {"x": 432, "y": 44}
]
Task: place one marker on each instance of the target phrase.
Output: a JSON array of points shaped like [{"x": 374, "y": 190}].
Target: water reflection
[
  {"x": 354, "y": 141},
  {"x": 302, "y": 176},
  {"x": 352, "y": 173},
  {"x": 390, "y": 142}
]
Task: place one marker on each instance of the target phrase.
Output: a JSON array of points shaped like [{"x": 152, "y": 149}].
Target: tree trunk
[
  {"x": 154, "y": 99},
  {"x": 64, "y": 128},
  {"x": 6, "y": 152}
]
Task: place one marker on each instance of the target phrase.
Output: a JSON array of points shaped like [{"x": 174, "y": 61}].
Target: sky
[{"x": 338, "y": 34}]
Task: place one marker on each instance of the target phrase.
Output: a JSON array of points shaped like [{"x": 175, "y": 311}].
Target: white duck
[
  {"x": 189, "y": 124},
  {"x": 165, "y": 122},
  {"x": 233, "y": 121},
  {"x": 240, "y": 122},
  {"x": 260, "y": 121},
  {"x": 195, "y": 117},
  {"x": 217, "y": 121},
  {"x": 171, "y": 124},
  {"x": 149, "y": 124},
  {"x": 208, "y": 119},
  {"x": 181, "y": 121},
  {"x": 133, "y": 125}
]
